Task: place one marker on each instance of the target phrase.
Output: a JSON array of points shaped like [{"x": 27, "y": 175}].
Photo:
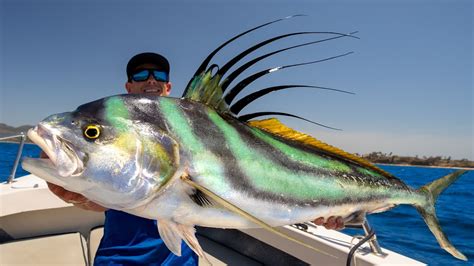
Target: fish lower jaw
[{"x": 39, "y": 140}]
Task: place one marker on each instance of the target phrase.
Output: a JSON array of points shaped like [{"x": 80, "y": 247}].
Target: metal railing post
[
  {"x": 18, "y": 155},
  {"x": 373, "y": 243}
]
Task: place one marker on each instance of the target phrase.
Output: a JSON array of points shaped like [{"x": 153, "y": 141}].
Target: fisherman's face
[{"x": 149, "y": 86}]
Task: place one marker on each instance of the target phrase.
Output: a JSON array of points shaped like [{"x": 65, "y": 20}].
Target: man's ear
[
  {"x": 128, "y": 85},
  {"x": 167, "y": 88}
]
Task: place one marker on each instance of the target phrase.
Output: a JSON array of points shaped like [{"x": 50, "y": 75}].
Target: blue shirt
[{"x": 132, "y": 240}]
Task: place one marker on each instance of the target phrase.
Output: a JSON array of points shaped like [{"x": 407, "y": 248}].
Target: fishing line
[{"x": 356, "y": 246}]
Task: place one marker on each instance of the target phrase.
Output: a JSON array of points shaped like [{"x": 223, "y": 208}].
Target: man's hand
[
  {"x": 77, "y": 199},
  {"x": 332, "y": 222},
  {"x": 71, "y": 197}
]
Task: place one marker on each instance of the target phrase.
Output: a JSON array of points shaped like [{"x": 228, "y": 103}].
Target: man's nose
[{"x": 151, "y": 80}]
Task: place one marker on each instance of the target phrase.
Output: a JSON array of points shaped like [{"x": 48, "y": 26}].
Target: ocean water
[
  {"x": 8, "y": 153},
  {"x": 401, "y": 229}
]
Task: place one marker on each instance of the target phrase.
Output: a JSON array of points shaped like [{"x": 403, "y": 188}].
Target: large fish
[{"x": 192, "y": 161}]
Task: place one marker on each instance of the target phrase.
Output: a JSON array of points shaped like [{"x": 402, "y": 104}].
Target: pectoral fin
[{"x": 231, "y": 207}]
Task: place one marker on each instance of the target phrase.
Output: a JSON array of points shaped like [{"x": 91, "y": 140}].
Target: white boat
[{"x": 38, "y": 228}]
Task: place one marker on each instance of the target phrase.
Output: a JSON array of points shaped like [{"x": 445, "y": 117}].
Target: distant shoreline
[
  {"x": 18, "y": 142},
  {"x": 427, "y": 166}
]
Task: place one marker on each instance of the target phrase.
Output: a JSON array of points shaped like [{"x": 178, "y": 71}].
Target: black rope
[{"x": 356, "y": 246}]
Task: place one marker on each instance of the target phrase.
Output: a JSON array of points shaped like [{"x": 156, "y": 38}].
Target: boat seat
[
  {"x": 94, "y": 241},
  {"x": 219, "y": 254},
  {"x": 64, "y": 249}
]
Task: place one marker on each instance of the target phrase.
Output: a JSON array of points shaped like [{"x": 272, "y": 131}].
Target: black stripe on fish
[{"x": 146, "y": 111}]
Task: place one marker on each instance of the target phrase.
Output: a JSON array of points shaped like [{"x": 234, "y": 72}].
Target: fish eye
[{"x": 92, "y": 132}]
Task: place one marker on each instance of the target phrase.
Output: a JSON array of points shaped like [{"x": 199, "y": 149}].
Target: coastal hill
[
  {"x": 374, "y": 157},
  {"x": 6, "y": 130},
  {"x": 438, "y": 161}
]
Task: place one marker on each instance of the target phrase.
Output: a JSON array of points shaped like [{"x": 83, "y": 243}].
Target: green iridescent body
[
  {"x": 246, "y": 166},
  {"x": 326, "y": 179},
  {"x": 148, "y": 143}
]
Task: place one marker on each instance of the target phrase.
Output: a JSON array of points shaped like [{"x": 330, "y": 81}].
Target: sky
[{"x": 411, "y": 70}]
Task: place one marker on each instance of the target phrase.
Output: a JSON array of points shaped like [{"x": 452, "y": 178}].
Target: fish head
[{"x": 101, "y": 152}]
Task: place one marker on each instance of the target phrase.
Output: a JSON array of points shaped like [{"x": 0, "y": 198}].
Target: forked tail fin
[{"x": 433, "y": 190}]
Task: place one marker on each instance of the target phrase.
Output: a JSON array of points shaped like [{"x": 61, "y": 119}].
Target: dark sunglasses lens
[
  {"x": 141, "y": 76},
  {"x": 160, "y": 75}
]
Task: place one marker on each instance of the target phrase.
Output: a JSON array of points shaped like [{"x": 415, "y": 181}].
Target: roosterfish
[{"x": 195, "y": 161}]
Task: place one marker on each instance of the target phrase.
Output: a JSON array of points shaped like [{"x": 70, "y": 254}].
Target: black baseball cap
[{"x": 148, "y": 58}]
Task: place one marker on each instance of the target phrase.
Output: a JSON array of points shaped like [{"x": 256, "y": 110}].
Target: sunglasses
[{"x": 143, "y": 75}]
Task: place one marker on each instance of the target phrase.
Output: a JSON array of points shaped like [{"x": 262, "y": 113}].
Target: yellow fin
[
  {"x": 274, "y": 126},
  {"x": 205, "y": 88}
]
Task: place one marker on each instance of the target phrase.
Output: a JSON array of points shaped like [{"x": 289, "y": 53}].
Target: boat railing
[
  {"x": 22, "y": 137},
  {"x": 369, "y": 236},
  {"x": 373, "y": 243}
]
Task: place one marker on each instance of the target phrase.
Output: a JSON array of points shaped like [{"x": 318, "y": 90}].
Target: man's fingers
[
  {"x": 91, "y": 206},
  {"x": 330, "y": 223},
  {"x": 75, "y": 198},
  {"x": 339, "y": 223},
  {"x": 319, "y": 221},
  {"x": 66, "y": 195},
  {"x": 54, "y": 188}
]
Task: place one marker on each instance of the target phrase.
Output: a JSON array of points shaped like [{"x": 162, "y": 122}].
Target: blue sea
[{"x": 401, "y": 229}]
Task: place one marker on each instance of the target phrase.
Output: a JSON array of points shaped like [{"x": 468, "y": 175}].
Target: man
[{"x": 128, "y": 239}]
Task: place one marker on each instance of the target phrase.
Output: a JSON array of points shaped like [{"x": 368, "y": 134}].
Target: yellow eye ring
[{"x": 92, "y": 132}]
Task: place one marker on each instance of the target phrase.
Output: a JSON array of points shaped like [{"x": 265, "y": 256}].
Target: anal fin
[
  {"x": 188, "y": 233},
  {"x": 172, "y": 233}
]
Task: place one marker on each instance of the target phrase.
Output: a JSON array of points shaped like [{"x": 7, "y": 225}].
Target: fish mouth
[{"x": 68, "y": 160}]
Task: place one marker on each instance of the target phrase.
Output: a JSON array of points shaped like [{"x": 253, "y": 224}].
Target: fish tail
[{"x": 432, "y": 191}]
